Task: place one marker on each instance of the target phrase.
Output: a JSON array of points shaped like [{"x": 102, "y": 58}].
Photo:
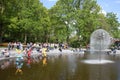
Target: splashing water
[
  {"x": 97, "y": 61},
  {"x": 100, "y": 40}
]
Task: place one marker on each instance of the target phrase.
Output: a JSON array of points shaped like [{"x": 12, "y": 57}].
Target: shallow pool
[{"x": 59, "y": 67}]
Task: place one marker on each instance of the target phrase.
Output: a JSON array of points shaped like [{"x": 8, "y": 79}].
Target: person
[
  {"x": 2, "y": 52},
  {"x": 19, "y": 61},
  {"x": 6, "y": 53},
  {"x": 60, "y": 49},
  {"x": 19, "y": 55},
  {"x": 114, "y": 50},
  {"x": 44, "y": 51},
  {"x": 29, "y": 52},
  {"x": 9, "y": 46}
]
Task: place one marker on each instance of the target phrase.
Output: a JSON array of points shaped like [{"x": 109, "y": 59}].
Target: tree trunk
[
  {"x": 25, "y": 39},
  {"x": 1, "y": 32},
  {"x": 0, "y": 38}
]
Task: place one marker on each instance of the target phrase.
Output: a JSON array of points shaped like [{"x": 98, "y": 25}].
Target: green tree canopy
[{"x": 70, "y": 21}]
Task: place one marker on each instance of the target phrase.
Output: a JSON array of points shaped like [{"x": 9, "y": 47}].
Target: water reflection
[
  {"x": 5, "y": 64},
  {"x": 44, "y": 61},
  {"x": 19, "y": 64},
  {"x": 102, "y": 72},
  {"x": 28, "y": 62},
  {"x": 58, "y": 67},
  {"x": 72, "y": 64}
]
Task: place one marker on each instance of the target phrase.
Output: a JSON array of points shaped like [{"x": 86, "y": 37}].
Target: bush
[{"x": 75, "y": 44}]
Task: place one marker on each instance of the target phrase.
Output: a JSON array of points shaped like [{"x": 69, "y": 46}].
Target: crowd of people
[
  {"x": 29, "y": 47},
  {"x": 42, "y": 48},
  {"x": 26, "y": 50}
]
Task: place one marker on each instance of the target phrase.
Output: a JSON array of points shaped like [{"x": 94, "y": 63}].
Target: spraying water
[{"x": 100, "y": 41}]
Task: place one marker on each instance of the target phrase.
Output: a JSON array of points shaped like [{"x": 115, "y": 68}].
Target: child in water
[
  {"x": 44, "y": 51},
  {"x": 6, "y": 53},
  {"x": 29, "y": 52}
]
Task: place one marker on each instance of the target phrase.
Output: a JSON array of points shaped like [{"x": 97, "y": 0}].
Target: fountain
[
  {"x": 100, "y": 40},
  {"x": 99, "y": 43}
]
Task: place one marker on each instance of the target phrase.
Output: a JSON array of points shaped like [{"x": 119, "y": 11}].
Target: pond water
[{"x": 60, "y": 67}]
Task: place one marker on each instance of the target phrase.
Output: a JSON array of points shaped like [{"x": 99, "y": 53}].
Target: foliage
[
  {"x": 75, "y": 44},
  {"x": 29, "y": 20},
  {"x": 113, "y": 24}
]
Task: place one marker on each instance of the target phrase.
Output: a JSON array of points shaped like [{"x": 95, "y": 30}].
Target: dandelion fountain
[{"x": 99, "y": 43}]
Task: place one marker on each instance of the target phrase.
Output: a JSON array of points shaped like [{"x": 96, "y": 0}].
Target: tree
[
  {"x": 29, "y": 20},
  {"x": 113, "y": 24},
  {"x": 5, "y": 14},
  {"x": 87, "y": 13},
  {"x": 63, "y": 12},
  {"x": 23, "y": 18}
]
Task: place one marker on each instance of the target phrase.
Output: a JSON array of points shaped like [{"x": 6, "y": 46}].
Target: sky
[{"x": 106, "y": 5}]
